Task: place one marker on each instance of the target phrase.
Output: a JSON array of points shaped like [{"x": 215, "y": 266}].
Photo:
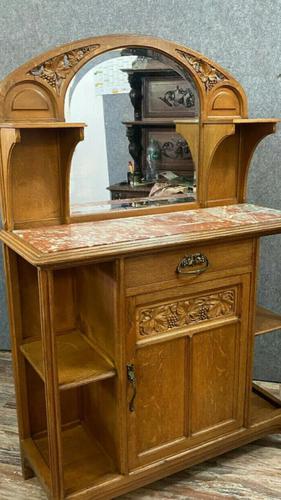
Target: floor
[{"x": 251, "y": 472}]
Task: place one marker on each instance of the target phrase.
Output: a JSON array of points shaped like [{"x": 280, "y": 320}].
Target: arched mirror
[{"x": 132, "y": 156}]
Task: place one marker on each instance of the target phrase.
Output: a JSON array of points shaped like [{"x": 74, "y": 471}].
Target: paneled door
[{"x": 186, "y": 366}]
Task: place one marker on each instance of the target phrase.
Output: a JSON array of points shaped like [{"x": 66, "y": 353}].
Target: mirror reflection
[{"x": 131, "y": 156}]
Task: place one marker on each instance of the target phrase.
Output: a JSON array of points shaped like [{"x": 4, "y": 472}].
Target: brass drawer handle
[
  {"x": 131, "y": 376},
  {"x": 187, "y": 264}
]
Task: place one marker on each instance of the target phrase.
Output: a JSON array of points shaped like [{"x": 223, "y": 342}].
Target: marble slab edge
[{"x": 105, "y": 252}]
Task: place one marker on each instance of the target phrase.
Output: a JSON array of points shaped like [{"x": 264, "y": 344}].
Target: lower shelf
[
  {"x": 84, "y": 462},
  {"x": 266, "y": 321},
  {"x": 264, "y": 405},
  {"x": 78, "y": 362}
]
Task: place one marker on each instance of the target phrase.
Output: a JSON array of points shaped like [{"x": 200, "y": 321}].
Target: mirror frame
[
  {"x": 35, "y": 92},
  {"x": 51, "y": 72}
]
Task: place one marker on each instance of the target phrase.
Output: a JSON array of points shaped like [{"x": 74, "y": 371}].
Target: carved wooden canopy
[
  {"x": 36, "y": 90},
  {"x": 32, "y": 98}
]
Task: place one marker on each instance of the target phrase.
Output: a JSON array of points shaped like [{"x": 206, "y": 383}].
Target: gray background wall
[{"x": 244, "y": 36}]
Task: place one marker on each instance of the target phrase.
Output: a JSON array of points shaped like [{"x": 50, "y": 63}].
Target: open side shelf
[
  {"x": 78, "y": 362},
  {"x": 264, "y": 405},
  {"x": 37, "y": 462},
  {"x": 41, "y": 124},
  {"x": 85, "y": 463},
  {"x": 266, "y": 321}
]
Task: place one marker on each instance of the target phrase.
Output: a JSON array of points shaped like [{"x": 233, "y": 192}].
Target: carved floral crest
[
  {"x": 208, "y": 74},
  {"x": 167, "y": 317},
  {"x": 55, "y": 70}
]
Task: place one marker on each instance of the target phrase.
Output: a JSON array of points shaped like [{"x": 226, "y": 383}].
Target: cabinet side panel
[
  {"x": 96, "y": 301},
  {"x": 99, "y": 403}
]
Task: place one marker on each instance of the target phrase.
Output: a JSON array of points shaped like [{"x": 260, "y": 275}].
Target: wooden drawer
[{"x": 162, "y": 266}]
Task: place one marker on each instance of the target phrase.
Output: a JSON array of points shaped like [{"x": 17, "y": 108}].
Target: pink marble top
[{"x": 92, "y": 234}]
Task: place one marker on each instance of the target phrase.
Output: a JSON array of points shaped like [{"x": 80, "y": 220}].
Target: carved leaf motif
[
  {"x": 208, "y": 74},
  {"x": 153, "y": 319},
  {"x": 179, "y": 314},
  {"x": 55, "y": 70}
]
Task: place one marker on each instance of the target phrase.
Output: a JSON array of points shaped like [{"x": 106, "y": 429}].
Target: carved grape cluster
[
  {"x": 208, "y": 74},
  {"x": 163, "y": 318},
  {"x": 55, "y": 70}
]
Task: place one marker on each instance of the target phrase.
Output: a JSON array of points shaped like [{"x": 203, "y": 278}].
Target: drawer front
[{"x": 195, "y": 264}]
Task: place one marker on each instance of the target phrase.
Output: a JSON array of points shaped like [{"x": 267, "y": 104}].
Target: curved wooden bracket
[
  {"x": 71, "y": 138},
  {"x": 251, "y": 132},
  {"x": 9, "y": 138}
]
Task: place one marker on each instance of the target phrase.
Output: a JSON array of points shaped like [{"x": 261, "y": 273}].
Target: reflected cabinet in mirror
[{"x": 131, "y": 156}]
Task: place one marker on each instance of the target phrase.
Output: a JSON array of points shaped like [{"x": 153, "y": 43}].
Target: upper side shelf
[
  {"x": 41, "y": 124},
  {"x": 35, "y": 160},
  {"x": 236, "y": 121},
  {"x": 222, "y": 149},
  {"x": 245, "y": 121}
]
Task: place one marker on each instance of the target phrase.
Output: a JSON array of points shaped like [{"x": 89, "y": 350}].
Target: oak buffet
[{"x": 132, "y": 331}]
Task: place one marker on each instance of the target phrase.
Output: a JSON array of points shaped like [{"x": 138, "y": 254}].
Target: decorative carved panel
[
  {"x": 181, "y": 313},
  {"x": 208, "y": 74},
  {"x": 56, "y": 69}
]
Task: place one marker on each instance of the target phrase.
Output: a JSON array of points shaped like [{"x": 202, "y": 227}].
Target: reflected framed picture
[{"x": 168, "y": 97}]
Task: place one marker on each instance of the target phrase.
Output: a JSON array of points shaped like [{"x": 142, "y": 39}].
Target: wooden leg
[
  {"x": 27, "y": 471},
  {"x": 11, "y": 271},
  {"x": 45, "y": 281}
]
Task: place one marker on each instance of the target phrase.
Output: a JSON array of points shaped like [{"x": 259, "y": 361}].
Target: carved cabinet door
[{"x": 186, "y": 370}]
